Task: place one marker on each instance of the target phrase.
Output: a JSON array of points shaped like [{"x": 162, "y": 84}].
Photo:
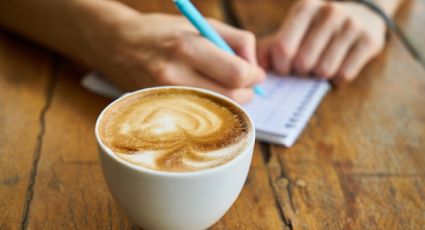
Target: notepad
[{"x": 279, "y": 116}]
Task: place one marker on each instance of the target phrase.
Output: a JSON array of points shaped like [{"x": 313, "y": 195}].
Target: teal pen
[{"x": 193, "y": 15}]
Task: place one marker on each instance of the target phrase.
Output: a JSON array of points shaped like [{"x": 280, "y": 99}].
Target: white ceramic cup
[{"x": 174, "y": 200}]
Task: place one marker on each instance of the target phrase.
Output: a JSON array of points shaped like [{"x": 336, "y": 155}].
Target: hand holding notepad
[{"x": 279, "y": 116}]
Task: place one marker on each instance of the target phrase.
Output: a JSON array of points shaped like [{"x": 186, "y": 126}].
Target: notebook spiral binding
[{"x": 299, "y": 112}]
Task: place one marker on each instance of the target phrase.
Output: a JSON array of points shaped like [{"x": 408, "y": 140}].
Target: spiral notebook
[{"x": 279, "y": 116}]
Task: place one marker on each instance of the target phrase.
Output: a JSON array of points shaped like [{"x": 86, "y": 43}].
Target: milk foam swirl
[{"x": 175, "y": 130}]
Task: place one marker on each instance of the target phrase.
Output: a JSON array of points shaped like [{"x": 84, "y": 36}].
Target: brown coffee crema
[{"x": 173, "y": 129}]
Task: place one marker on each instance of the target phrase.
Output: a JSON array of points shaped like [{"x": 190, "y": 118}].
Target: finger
[
  {"x": 337, "y": 50},
  {"x": 358, "y": 57},
  {"x": 228, "y": 70},
  {"x": 291, "y": 34},
  {"x": 182, "y": 75},
  {"x": 240, "y": 95},
  {"x": 241, "y": 41},
  {"x": 263, "y": 52},
  {"x": 327, "y": 21}
]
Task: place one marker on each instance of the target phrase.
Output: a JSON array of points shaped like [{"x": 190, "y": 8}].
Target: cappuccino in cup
[
  {"x": 175, "y": 157},
  {"x": 177, "y": 130}
]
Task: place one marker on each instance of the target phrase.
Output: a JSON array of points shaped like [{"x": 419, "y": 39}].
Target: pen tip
[{"x": 259, "y": 91}]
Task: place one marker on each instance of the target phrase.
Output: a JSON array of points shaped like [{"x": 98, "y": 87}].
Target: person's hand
[
  {"x": 333, "y": 40},
  {"x": 160, "y": 49}
]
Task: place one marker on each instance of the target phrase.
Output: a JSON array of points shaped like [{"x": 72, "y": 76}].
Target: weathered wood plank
[
  {"x": 256, "y": 207},
  {"x": 359, "y": 163},
  {"x": 24, "y": 78},
  {"x": 69, "y": 182}
]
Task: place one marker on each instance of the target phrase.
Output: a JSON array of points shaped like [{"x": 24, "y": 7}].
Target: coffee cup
[{"x": 157, "y": 199}]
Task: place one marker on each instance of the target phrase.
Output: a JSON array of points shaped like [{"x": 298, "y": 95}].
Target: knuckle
[
  {"x": 284, "y": 50},
  {"x": 352, "y": 25},
  {"x": 375, "y": 44},
  {"x": 302, "y": 65},
  {"x": 239, "y": 77},
  {"x": 305, "y": 4},
  {"x": 331, "y": 11},
  {"x": 328, "y": 9},
  {"x": 345, "y": 78},
  {"x": 249, "y": 37},
  {"x": 180, "y": 45},
  {"x": 164, "y": 75},
  {"x": 324, "y": 71},
  {"x": 246, "y": 38}
]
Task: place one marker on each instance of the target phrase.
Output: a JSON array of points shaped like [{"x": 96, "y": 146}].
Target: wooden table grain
[{"x": 360, "y": 163}]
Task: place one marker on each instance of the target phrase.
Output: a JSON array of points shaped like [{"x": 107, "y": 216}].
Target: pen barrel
[{"x": 195, "y": 17}]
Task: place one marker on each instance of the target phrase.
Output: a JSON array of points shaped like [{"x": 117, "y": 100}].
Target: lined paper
[{"x": 283, "y": 112}]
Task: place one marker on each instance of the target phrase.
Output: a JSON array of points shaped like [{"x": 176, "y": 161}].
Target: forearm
[{"x": 72, "y": 27}]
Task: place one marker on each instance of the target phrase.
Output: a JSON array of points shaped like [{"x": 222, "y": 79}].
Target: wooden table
[{"x": 360, "y": 163}]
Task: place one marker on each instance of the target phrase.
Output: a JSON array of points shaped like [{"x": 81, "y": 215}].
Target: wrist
[
  {"x": 356, "y": 9},
  {"x": 389, "y": 7},
  {"x": 101, "y": 25}
]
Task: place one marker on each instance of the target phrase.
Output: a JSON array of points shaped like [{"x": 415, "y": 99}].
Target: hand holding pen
[
  {"x": 161, "y": 49},
  {"x": 194, "y": 16}
]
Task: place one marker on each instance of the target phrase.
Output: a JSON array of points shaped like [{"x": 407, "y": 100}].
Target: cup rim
[{"x": 146, "y": 170}]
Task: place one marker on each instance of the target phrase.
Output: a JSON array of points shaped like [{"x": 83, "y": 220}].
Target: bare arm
[
  {"x": 137, "y": 50},
  {"x": 390, "y": 7},
  {"x": 65, "y": 26}
]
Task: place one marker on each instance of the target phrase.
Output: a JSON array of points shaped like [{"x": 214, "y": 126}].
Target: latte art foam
[{"x": 171, "y": 129}]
